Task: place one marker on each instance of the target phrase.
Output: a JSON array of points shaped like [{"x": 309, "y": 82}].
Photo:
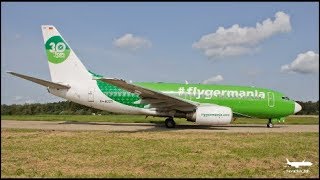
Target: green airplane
[{"x": 199, "y": 103}]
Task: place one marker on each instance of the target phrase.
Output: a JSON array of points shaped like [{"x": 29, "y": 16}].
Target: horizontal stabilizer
[{"x": 40, "y": 81}]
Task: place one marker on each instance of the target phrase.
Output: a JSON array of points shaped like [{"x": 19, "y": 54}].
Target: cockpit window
[{"x": 285, "y": 98}]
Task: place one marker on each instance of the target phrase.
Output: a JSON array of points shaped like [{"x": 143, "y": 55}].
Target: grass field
[
  {"x": 38, "y": 153},
  {"x": 142, "y": 119}
]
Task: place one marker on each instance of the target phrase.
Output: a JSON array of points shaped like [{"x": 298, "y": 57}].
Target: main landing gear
[
  {"x": 269, "y": 125},
  {"x": 170, "y": 122}
]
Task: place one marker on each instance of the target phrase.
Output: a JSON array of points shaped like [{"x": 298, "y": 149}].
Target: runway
[{"x": 136, "y": 127}]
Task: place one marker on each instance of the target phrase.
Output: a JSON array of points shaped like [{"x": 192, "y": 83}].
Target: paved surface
[{"x": 134, "y": 127}]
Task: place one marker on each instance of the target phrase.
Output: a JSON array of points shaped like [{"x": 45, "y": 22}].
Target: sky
[{"x": 263, "y": 44}]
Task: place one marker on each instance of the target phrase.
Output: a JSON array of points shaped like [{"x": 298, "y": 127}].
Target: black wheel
[
  {"x": 170, "y": 123},
  {"x": 269, "y": 125}
]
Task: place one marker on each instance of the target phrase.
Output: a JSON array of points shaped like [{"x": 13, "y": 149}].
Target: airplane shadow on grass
[{"x": 160, "y": 126}]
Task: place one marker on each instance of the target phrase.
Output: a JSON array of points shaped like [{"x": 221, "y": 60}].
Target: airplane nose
[{"x": 297, "y": 107}]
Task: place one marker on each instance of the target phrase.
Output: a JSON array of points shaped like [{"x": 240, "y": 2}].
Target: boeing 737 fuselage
[{"x": 200, "y": 103}]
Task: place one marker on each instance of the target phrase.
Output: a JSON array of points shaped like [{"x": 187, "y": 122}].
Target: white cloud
[
  {"x": 304, "y": 63},
  {"x": 131, "y": 42},
  {"x": 213, "y": 79},
  {"x": 30, "y": 101},
  {"x": 23, "y": 100},
  {"x": 17, "y": 98},
  {"x": 238, "y": 40}
]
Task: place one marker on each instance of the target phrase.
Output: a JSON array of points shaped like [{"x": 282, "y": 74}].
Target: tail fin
[
  {"x": 64, "y": 65},
  {"x": 287, "y": 161}
]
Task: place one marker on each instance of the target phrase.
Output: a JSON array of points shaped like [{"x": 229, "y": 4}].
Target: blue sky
[{"x": 171, "y": 29}]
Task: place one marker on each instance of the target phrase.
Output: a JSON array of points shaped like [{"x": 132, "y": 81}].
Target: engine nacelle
[{"x": 211, "y": 115}]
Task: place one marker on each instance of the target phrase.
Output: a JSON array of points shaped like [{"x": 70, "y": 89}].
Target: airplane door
[
  {"x": 91, "y": 95},
  {"x": 270, "y": 99}
]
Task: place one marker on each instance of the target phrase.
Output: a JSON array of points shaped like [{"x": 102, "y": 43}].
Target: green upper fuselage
[{"x": 249, "y": 101}]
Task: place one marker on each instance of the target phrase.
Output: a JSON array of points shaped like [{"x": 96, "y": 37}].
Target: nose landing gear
[{"x": 270, "y": 125}]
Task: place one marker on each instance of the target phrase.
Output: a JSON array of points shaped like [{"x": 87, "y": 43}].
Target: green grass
[
  {"x": 39, "y": 153},
  {"x": 142, "y": 119},
  {"x": 90, "y": 118}
]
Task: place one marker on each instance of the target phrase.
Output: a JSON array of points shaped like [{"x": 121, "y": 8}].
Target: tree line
[
  {"x": 55, "y": 108},
  {"x": 309, "y": 108},
  {"x": 71, "y": 108}
]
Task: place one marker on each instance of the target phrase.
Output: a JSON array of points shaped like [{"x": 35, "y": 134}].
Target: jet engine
[{"x": 211, "y": 115}]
